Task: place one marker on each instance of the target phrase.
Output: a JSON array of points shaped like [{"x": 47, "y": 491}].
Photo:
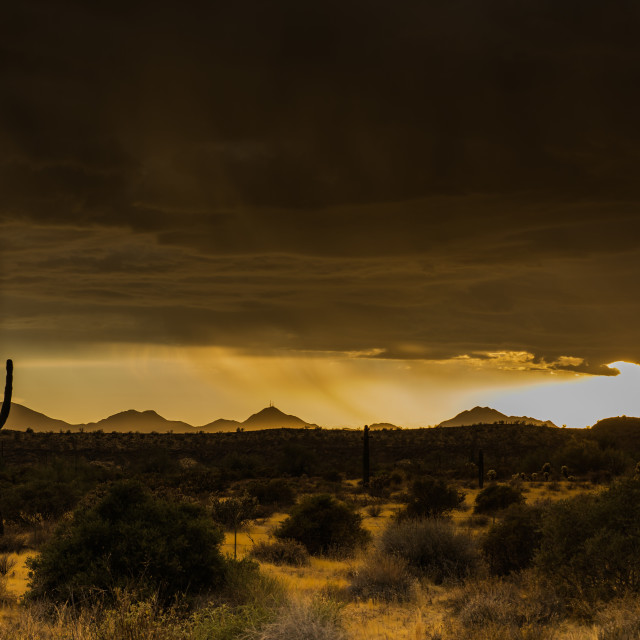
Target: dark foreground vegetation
[{"x": 127, "y": 530}]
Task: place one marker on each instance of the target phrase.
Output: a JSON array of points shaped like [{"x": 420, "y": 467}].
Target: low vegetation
[{"x": 128, "y": 546}]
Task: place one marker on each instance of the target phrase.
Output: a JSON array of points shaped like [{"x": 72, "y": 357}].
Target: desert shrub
[
  {"x": 505, "y": 605},
  {"x": 225, "y": 622},
  {"x": 589, "y": 546},
  {"x": 619, "y": 621},
  {"x": 431, "y": 497},
  {"x": 132, "y": 619},
  {"x": 315, "y": 619},
  {"x": 379, "y": 486},
  {"x": 511, "y": 543},
  {"x": 434, "y": 547},
  {"x": 13, "y": 542},
  {"x": 276, "y": 491},
  {"x": 129, "y": 538},
  {"x": 476, "y": 521},
  {"x": 383, "y": 577},
  {"x": 296, "y": 460},
  {"x": 374, "y": 510},
  {"x": 496, "y": 497},
  {"x": 323, "y": 524},
  {"x": 279, "y": 552},
  {"x": 583, "y": 456}
]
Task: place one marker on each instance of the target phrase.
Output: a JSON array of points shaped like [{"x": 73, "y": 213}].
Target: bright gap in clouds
[{"x": 577, "y": 402}]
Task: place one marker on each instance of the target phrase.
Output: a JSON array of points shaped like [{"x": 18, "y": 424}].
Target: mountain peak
[{"x": 271, "y": 417}]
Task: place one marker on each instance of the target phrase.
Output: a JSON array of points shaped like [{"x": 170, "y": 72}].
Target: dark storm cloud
[{"x": 428, "y": 179}]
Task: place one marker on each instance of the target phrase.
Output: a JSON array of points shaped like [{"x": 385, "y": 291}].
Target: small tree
[
  {"x": 323, "y": 524},
  {"x": 233, "y": 513}
]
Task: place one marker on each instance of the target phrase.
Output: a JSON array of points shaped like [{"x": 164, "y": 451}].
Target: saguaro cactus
[
  {"x": 365, "y": 457},
  {"x": 6, "y": 402},
  {"x": 480, "y": 469}
]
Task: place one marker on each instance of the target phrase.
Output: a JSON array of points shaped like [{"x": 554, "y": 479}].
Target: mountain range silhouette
[{"x": 21, "y": 418}]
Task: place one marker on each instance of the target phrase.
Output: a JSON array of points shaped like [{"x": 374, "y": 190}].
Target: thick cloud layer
[{"x": 422, "y": 180}]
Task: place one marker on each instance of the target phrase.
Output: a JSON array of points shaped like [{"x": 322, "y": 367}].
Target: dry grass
[
  {"x": 391, "y": 604},
  {"x": 305, "y": 619}
]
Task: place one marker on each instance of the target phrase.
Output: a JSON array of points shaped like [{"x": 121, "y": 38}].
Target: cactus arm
[{"x": 6, "y": 403}]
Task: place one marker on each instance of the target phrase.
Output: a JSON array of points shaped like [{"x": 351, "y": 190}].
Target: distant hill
[
  {"x": 376, "y": 426},
  {"x": 22, "y": 418},
  {"x": 621, "y": 432},
  {"x": 140, "y": 421},
  {"x": 487, "y": 415},
  {"x": 221, "y": 424}
]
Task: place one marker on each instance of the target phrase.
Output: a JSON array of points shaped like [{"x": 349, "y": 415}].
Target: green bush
[
  {"x": 511, "y": 543},
  {"x": 432, "y": 546},
  {"x": 323, "y": 524},
  {"x": 497, "y": 497},
  {"x": 129, "y": 539},
  {"x": 431, "y": 497},
  {"x": 589, "y": 546}
]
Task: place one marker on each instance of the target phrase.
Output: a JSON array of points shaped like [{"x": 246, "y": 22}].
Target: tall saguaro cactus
[
  {"x": 6, "y": 402},
  {"x": 480, "y": 469},
  {"x": 365, "y": 457}
]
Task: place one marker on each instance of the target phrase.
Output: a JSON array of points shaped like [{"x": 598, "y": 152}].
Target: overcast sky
[{"x": 394, "y": 188}]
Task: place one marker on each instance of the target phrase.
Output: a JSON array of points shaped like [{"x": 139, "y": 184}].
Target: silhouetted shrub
[
  {"x": 432, "y": 546},
  {"x": 289, "y": 552},
  {"x": 129, "y": 539},
  {"x": 431, "y": 497},
  {"x": 511, "y": 543},
  {"x": 496, "y": 497},
  {"x": 322, "y": 525},
  {"x": 589, "y": 545}
]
